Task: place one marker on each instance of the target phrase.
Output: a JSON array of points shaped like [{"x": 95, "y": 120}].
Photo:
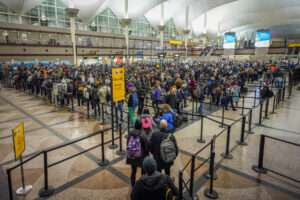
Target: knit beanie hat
[{"x": 149, "y": 165}]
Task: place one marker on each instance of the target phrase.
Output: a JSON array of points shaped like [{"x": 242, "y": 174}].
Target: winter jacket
[
  {"x": 153, "y": 187},
  {"x": 157, "y": 94},
  {"x": 169, "y": 118},
  {"x": 145, "y": 148},
  {"x": 155, "y": 142}
]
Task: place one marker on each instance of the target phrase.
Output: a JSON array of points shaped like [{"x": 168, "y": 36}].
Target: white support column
[
  {"x": 126, "y": 23},
  {"x": 20, "y": 19},
  {"x": 162, "y": 14},
  {"x": 126, "y": 9},
  {"x": 186, "y": 38},
  {"x": 72, "y": 12},
  {"x": 204, "y": 34},
  {"x": 219, "y": 35},
  {"x": 161, "y": 30},
  {"x": 186, "y": 18}
]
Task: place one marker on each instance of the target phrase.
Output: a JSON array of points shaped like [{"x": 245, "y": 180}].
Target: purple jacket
[
  {"x": 157, "y": 94},
  {"x": 129, "y": 85}
]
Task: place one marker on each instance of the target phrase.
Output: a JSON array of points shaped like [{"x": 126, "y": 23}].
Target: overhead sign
[
  {"x": 19, "y": 140},
  {"x": 175, "y": 42},
  {"x": 229, "y": 41},
  {"x": 262, "y": 39},
  {"x": 118, "y": 84}
]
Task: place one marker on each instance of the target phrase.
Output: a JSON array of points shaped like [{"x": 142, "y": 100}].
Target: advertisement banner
[
  {"x": 262, "y": 39},
  {"x": 118, "y": 84},
  {"x": 229, "y": 41}
]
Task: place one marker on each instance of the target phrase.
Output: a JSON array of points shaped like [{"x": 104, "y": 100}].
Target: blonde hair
[{"x": 166, "y": 108}]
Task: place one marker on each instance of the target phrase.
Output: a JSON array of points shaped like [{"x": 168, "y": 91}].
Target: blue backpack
[{"x": 135, "y": 100}]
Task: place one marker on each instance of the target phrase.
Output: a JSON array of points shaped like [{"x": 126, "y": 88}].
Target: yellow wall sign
[
  {"x": 19, "y": 141},
  {"x": 175, "y": 42},
  {"x": 118, "y": 84}
]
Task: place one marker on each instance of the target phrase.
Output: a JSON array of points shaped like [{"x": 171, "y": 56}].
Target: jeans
[
  {"x": 200, "y": 109},
  {"x": 155, "y": 105},
  {"x": 80, "y": 98},
  {"x": 119, "y": 108},
  {"x": 229, "y": 100},
  {"x": 131, "y": 115}
]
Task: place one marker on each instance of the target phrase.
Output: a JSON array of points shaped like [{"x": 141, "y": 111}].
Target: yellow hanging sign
[
  {"x": 19, "y": 140},
  {"x": 118, "y": 84}
]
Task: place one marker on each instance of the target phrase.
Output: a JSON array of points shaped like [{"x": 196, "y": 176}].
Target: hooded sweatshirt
[{"x": 153, "y": 187}]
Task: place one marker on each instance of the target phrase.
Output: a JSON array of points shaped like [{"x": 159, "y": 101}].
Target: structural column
[
  {"x": 186, "y": 39},
  {"x": 126, "y": 23},
  {"x": 72, "y": 13},
  {"x": 161, "y": 29}
]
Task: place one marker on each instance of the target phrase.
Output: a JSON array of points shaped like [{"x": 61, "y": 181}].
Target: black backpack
[
  {"x": 270, "y": 94},
  {"x": 95, "y": 95},
  {"x": 177, "y": 120}
]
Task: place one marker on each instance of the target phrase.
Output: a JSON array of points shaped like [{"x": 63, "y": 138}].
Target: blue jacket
[{"x": 169, "y": 118}]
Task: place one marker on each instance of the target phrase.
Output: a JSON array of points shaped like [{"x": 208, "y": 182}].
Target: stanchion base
[
  {"x": 126, "y": 136},
  {"x": 23, "y": 191},
  {"x": 226, "y": 156},
  {"x": 113, "y": 146},
  {"x": 258, "y": 124},
  {"x": 121, "y": 153},
  {"x": 267, "y": 118},
  {"x": 192, "y": 119},
  {"x": 242, "y": 143},
  {"x": 273, "y": 113},
  {"x": 200, "y": 141},
  {"x": 241, "y": 114},
  {"x": 213, "y": 195},
  {"x": 46, "y": 193},
  {"x": 222, "y": 126},
  {"x": 104, "y": 163},
  {"x": 207, "y": 175},
  {"x": 102, "y": 123},
  {"x": 250, "y": 132},
  {"x": 259, "y": 170}
]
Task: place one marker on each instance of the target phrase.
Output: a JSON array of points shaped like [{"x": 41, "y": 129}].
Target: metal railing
[{"x": 260, "y": 168}]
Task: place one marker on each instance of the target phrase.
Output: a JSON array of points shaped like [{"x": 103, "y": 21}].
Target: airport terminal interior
[{"x": 149, "y": 99}]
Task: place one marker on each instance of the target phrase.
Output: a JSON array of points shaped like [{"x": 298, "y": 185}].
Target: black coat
[
  {"x": 145, "y": 148},
  {"x": 155, "y": 141},
  {"x": 153, "y": 187}
]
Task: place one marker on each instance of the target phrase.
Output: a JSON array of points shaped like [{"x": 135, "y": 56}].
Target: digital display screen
[
  {"x": 229, "y": 41},
  {"x": 262, "y": 39}
]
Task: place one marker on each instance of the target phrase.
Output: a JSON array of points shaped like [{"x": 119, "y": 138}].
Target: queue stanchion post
[
  {"x": 191, "y": 190},
  {"x": 113, "y": 145},
  {"x": 250, "y": 122},
  {"x": 201, "y": 140},
  {"x": 210, "y": 192},
  {"x": 24, "y": 189},
  {"x": 47, "y": 190},
  {"x": 260, "y": 115},
  {"x": 196, "y": 105},
  {"x": 223, "y": 113},
  {"x": 207, "y": 174},
  {"x": 226, "y": 155},
  {"x": 243, "y": 103},
  {"x": 10, "y": 190},
  {"x": 180, "y": 185},
  {"x": 128, "y": 125},
  {"x": 242, "y": 139},
  {"x": 274, "y": 104},
  {"x": 254, "y": 103},
  {"x": 104, "y": 162},
  {"x": 120, "y": 151},
  {"x": 259, "y": 168}
]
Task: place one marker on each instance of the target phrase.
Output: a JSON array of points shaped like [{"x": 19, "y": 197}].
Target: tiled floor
[{"x": 82, "y": 178}]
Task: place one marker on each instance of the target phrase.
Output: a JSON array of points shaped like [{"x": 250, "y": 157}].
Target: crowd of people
[{"x": 166, "y": 92}]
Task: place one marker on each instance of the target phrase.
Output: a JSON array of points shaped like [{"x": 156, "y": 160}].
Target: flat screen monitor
[
  {"x": 262, "y": 39},
  {"x": 229, "y": 41}
]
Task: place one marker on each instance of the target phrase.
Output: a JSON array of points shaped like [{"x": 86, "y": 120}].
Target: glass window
[
  {"x": 3, "y": 18},
  {"x": 103, "y": 20},
  {"x": 33, "y": 12}
]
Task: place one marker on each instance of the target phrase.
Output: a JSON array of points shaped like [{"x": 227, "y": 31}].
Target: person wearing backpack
[
  {"x": 137, "y": 149},
  {"x": 80, "y": 88},
  {"x": 147, "y": 123},
  {"x": 95, "y": 99},
  {"x": 132, "y": 101},
  {"x": 163, "y": 147},
  {"x": 153, "y": 185}
]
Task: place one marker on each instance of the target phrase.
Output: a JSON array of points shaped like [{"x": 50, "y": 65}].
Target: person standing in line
[
  {"x": 132, "y": 101},
  {"x": 156, "y": 140},
  {"x": 137, "y": 149}
]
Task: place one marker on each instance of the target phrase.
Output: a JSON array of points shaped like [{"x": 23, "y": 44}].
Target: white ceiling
[{"x": 242, "y": 16}]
